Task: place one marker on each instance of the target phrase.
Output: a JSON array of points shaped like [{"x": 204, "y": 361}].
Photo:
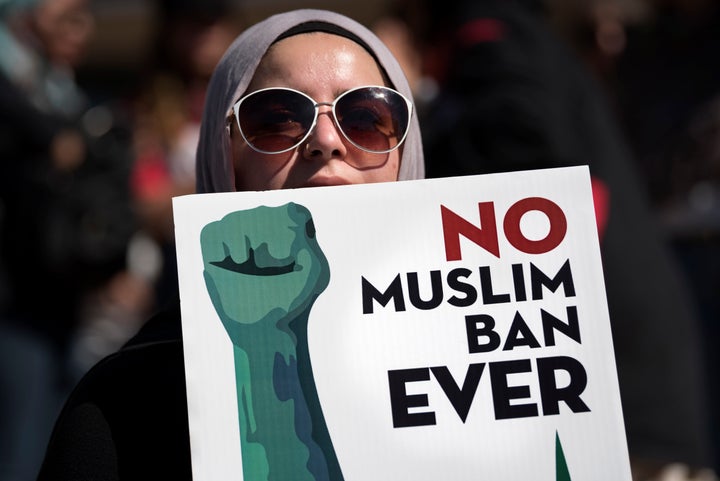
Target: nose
[{"x": 325, "y": 141}]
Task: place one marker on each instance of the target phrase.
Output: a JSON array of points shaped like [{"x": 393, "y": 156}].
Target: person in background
[
  {"x": 127, "y": 418},
  {"x": 65, "y": 216},
  {"x": 191, "y": 39},
  {"x": 666, "y": 83},
  {"x": 511, "y": 96}
]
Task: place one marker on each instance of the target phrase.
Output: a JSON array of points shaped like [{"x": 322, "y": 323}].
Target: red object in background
[
  {"x": 150, "y": 177},
  {"x": 601, "y": 201},
  {"x": 481, "y": 30}
]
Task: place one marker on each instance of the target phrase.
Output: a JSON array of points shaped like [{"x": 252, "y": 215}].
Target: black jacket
[{"x": 127, "y": 418}]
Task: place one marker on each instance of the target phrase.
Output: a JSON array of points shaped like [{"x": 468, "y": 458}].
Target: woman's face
[{"x": 322, "y": 66}]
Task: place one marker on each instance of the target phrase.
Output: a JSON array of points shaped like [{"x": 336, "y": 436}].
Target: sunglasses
[{"x": 276, "y": 120}]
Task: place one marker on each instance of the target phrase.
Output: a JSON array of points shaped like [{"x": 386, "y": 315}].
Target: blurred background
[{"x": 101, "y": 102}]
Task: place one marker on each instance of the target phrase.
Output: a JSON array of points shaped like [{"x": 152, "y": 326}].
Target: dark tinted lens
[
  {"x": 375, "y": 119},
  {"x": 275, "y": 120}
]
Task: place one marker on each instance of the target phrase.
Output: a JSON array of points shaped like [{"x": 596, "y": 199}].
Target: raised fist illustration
[{"x": 263, "y": 270}]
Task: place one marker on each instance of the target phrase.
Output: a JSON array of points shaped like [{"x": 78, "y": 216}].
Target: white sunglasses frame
[{"x": 317, "y": 105}]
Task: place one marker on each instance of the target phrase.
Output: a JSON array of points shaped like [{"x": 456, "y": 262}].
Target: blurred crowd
[
  {"x": 629, "y": 87},
  {"x": 88, "y": 173}
]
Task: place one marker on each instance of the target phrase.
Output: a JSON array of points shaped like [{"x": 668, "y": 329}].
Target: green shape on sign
[
  {"x": 264, "y": 269},
  {"x": 561, "y": 469}
]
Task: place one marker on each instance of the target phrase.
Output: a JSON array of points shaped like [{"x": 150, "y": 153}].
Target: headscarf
[{"x": 214, "y": 163}]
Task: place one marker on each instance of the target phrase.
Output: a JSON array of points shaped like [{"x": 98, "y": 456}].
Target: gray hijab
[{"x": 234, "y": 72}]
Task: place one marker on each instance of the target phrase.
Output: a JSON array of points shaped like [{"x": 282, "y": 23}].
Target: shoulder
[
  {"x": 128, "y": 415},
  {"x": 163, "y": 327},
  {"x": 150, "y": 362}
]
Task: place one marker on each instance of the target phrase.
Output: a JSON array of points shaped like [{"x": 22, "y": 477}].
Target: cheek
[
  {"x": 247, "y": 167},
  {"x": 256, "y": 171},
  {"x": 396, "y": 165},
  {"x": 388, "y": 172}
]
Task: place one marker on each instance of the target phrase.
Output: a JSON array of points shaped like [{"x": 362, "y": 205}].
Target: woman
[{"x": 128, "y": 418}]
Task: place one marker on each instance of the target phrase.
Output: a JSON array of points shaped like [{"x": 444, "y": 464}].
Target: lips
[{"x": 318, "y": 181}]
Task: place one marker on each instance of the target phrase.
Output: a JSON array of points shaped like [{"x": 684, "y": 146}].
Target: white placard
[{"x": 460, "y": 331}]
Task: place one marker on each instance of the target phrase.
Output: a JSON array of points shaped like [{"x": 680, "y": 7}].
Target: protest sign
[{"x": 436, "y": 329}]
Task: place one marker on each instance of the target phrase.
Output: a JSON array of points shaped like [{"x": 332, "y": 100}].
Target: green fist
[
  {"x": 263, "y": 266},
  {"x": 263, "y": 271}
]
